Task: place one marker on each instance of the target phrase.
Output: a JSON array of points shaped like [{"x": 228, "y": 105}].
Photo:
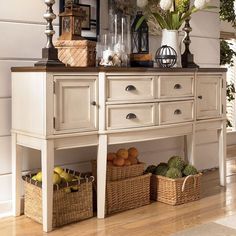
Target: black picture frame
[
  {"x": 94, "y": 23},
  {"x": 86, "y": 25}
]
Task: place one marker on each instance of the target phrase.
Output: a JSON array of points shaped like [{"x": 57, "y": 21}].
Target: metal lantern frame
[
  {"x": 72, "y": 18},
  {"x": 166, "y": 56},
  {"x": 140, "y": 36}
]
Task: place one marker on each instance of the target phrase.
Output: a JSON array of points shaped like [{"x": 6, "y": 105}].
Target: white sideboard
[{"x": 62, "y": 108}]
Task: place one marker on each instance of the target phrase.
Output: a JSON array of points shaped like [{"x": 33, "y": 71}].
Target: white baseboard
[{"x": 5, "y": 209}]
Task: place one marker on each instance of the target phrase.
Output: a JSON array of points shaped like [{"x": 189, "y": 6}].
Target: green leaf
[
  {"x": 140, "y": 21},
  {"x": 161, "y": 21}
]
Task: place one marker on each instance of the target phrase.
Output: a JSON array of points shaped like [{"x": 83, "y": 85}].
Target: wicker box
[
  {"x": 175, "y": 191},
  {"x": 67, "y": 207},
  {"x": 127, "y": 194},
  {"x": 77, "y": 53},
  {"x": 119, "y": 173}
]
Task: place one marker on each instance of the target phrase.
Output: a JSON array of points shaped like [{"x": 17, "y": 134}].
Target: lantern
[
  {"x": 71, "y": 21},
  {"x": 139, "y": 37}
]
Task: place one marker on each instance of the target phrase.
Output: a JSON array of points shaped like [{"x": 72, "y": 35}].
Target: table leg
[
  {"x": 190, "y": 148},
  {"x": 16, "y": 176},
  {"x": 101, "y": 175},
  {"x": 47, "y": 159},
  {"x": 222, "y": 154}
]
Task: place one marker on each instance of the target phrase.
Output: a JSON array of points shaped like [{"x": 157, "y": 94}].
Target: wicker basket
[
  {"x": 127, "y": 194},
  {"x": 119, "y": 173},
  {"x": 67, "y": 207},
  {"x": 78, "y": 53},
  {"x": 175, "y": 191}
]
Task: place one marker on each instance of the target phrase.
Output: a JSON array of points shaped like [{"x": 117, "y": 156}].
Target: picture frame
[
  {"x": 91, "y": 27},
  {"x": 86, "y": 25}
]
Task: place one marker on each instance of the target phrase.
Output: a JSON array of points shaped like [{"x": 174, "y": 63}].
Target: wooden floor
[{"x": 156, "y": 219}]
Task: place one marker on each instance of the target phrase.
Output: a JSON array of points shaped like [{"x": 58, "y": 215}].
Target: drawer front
[
  {"x": 176, "y": 86},
  {"x": 129, "y": 116},
  {"x": 176, "y": 112},
  {"x": 124, "y": 88}
]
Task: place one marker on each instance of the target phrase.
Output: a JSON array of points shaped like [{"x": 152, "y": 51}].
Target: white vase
[{"x": 171, "y": 38}]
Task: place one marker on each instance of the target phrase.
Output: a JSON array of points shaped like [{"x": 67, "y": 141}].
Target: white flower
[
  {"x": 166, "y": 4},
  {"x": 142, "y": 3},
  {"x": 200, "y": 4}
]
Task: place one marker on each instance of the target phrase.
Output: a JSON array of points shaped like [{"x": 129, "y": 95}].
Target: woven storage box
[
  {"x": 175, "y": 191},
  {"x": 78, "y": 53},
  {"x": 119, "y": 173},
  {"x": 127, "y": 194},
  {"x": 67, "y": 207}
]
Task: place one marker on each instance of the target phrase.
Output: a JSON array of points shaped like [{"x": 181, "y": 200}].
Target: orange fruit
[
  {"x": 123, "y": 153},
  {"x": 111, "y": 156},
  {"x": 133, "y": 152},
  {"x": 118, "y": 161},
  {"x": 109, "y": 163},
  {"x": 133, "y": 160},
  {"x": 127, "y": 162}
]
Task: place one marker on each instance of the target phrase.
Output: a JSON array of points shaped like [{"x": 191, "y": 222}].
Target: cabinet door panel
[
  {"x": 208, "y": 97},
  {"x": 74, "y": 109}
]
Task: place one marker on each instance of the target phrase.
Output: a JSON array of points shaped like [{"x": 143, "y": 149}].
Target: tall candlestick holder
[
  {"x": 187, "y": 58},
  {"x": 49, "y": 52}
]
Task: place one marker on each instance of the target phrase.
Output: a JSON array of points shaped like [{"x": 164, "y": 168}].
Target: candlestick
[
  {"x": 49, "y": 52},
  {"x": 187, "y": 57}
]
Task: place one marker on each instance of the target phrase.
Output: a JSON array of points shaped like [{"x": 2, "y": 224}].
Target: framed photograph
[
  {"x": 86, "y": 25},
  {"x": 91, "y": 26}
]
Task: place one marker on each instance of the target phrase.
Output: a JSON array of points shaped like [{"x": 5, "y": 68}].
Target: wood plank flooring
[{"x": 156, "y": 219}]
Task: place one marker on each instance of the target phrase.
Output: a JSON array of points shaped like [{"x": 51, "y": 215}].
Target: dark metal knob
[
  {"x": 130, "y": 88},
  {"x": 178, "y": 112},
  {"x": 177, "y": 86},
  {"x": 200, "y": 97},
  {"x": 131, "y": 116},
  {"x": 93, "y": 103}
]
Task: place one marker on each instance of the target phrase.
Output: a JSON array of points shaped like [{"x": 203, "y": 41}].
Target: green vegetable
[
  {"x": 162, "y": 169},
  {"x": 190, "y": 170},
  {"x": 174, "y": 173},
  {"x": 176, "y": 162}
]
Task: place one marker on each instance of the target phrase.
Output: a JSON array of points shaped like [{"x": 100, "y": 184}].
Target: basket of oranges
[{"x": 122, "y": 165}]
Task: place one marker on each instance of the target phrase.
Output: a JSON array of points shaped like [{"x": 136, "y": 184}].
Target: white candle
[
  {"x": 115, "y": 21},
  {"x": 122, "y": 29}
]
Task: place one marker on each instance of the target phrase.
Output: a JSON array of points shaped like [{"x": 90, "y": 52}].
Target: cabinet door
[
  {"x": 208, "y": 97},
  {"x": 75, "y": 103}
]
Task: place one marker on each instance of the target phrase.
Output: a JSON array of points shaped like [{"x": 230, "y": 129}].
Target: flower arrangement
[{"x": 170, "y": 14}]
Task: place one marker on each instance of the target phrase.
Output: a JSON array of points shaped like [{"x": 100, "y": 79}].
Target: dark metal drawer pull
[
  {"x": 200, "y": 97},
  {"x": 131, "y": 116},
  {"x": 130, "y": 88},
  {"x": 178, "y": 112},
  {"x": 177, "y": 86},
  {"x": 93, "y": 103}
]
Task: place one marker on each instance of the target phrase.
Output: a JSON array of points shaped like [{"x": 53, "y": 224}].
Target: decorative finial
[{"x": 49, "y": 52}]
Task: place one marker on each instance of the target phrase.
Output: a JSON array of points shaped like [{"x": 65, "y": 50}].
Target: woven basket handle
[{"x": 186, "y": 179}]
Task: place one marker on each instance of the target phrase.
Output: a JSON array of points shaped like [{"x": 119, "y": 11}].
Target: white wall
[{"x": 22, "y": 37}]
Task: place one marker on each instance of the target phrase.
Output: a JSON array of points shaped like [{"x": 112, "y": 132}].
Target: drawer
[
  {"x": 175, "y": 86},
  {"x": 176, "y": 112},
  {"x": 129, "y": 116},
  {"x": 125, "y": 88}
]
